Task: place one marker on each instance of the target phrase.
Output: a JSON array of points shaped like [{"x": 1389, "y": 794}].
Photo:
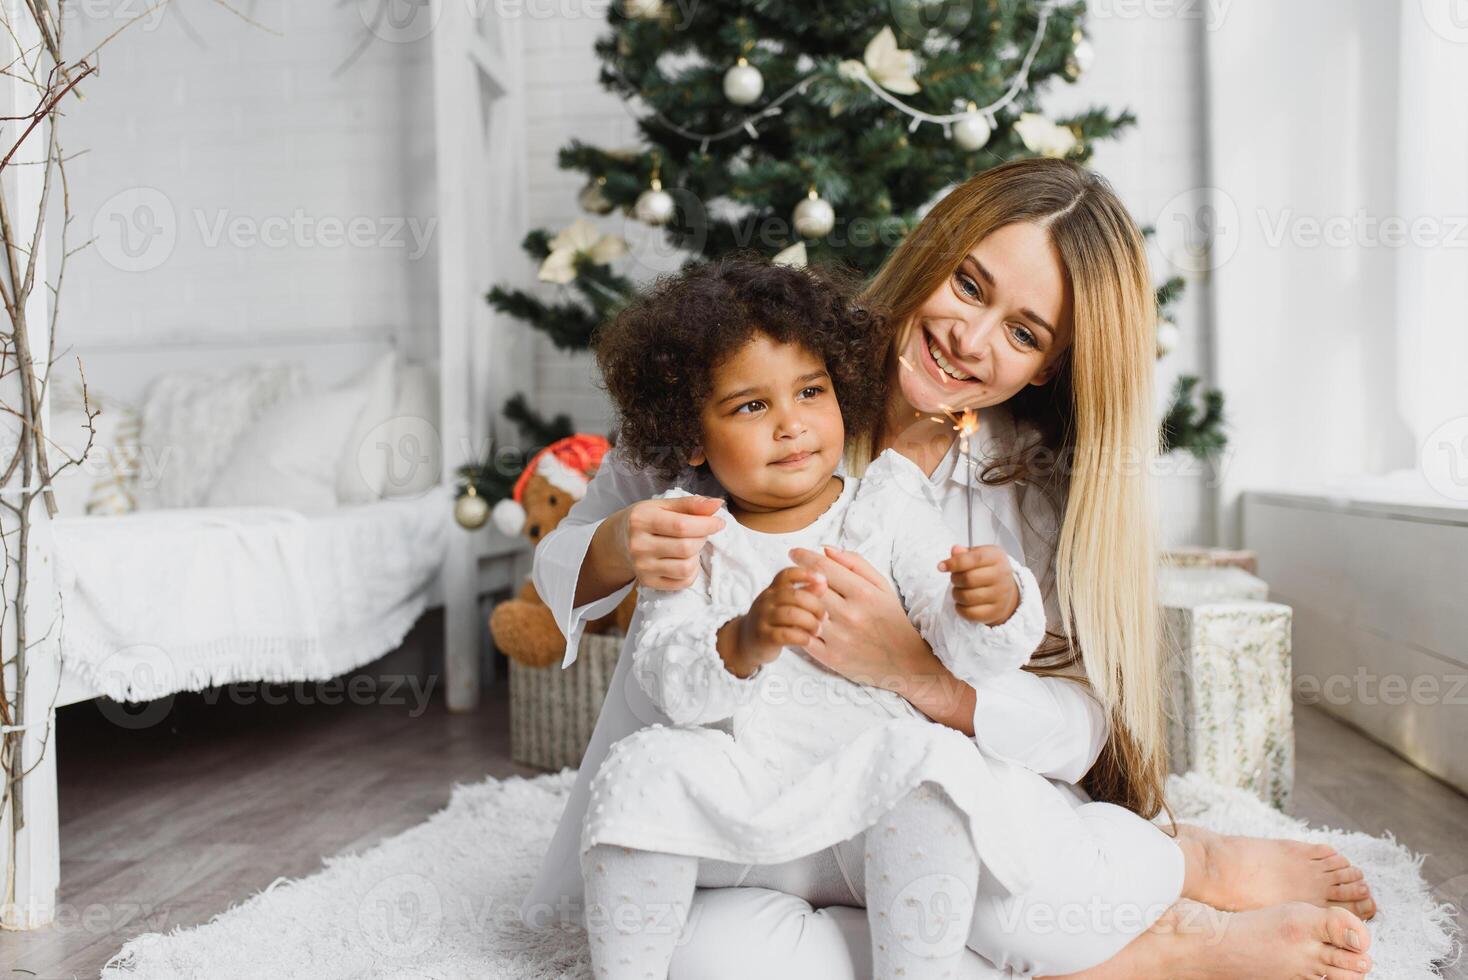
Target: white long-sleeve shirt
[{"x": 1051, "y": 725}]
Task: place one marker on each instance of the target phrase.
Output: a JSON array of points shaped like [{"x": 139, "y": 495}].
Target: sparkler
[{"x": 965, "y": 423}]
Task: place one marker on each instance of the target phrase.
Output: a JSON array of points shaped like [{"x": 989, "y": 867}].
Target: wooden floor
[{"x": 167, "y": 825}]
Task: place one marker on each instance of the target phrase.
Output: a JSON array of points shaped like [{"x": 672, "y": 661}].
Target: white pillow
[
  {"x": 414, "y": 455},
  {"x": 290, "y": 456},
  {"x": 362, "y": 472},
  {"x": 103, "y": 482},
  {"x": 191, "y": 422}
]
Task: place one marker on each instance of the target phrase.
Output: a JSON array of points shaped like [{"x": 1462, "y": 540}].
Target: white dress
[
  {"x": 1049, "y": 725},
  {"x": 796, "y": 758}
]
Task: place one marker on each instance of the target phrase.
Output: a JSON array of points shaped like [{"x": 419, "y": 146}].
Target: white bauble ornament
[
  {"x": 1168, "y": 336},
  {"x": 814, "y": 217},
  {"x": 593, "y": 199},
  {"x": 743, "y": 83},
  {"x": 471, "y": 510},
  {"x": 972, "y": 132},
  {"x": 654, "y": 205},
  {"x": 1084, "y": 55}
]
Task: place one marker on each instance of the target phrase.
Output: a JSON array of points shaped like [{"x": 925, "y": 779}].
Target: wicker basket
[{"x": 553, "y": 711}]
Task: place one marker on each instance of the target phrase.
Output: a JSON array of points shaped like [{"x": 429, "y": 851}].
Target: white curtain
[
  {"x": 1432, "y": 267},
  {"x": 1333, "y": 127}
]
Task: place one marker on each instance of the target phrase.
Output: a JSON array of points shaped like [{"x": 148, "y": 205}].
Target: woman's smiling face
[{"x": 999, "y": 322}]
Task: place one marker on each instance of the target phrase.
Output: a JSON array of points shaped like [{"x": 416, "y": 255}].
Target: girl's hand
[
  {"x": 984, "y": 589},
  {"x": 788, "y": 613},
  {"x": 660, "y": 539},
  {"x": 868, "y": 639}
]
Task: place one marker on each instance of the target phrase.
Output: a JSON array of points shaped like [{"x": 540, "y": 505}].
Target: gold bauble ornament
[{"x": 471, "y": 510}]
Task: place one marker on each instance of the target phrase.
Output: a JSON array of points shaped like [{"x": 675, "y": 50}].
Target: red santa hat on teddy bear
[{"x": 568, "y": 465}]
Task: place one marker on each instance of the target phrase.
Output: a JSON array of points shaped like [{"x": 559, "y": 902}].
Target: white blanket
[
  {"x": 179, "y": 600},
  {"x": 440, "y": 900}
]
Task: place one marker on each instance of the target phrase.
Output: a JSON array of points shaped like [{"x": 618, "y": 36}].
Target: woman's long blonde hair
[{"x": 1098, "y": 438}]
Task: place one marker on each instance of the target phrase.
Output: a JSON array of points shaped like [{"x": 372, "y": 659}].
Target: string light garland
[
  {"x": 747, "y": 125},
  {"x": 1021, "y": 81}
]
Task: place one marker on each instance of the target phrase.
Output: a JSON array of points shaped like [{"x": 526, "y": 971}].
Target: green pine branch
[{"x": 1194, "y": 423}]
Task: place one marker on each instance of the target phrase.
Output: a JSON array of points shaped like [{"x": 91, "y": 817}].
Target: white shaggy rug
[{"x": 441, "y": 900}]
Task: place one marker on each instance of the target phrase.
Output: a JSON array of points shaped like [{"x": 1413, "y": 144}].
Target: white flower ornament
[
  {"x": 885, "y": 63},
  {"x": 581, "y": 238},
  {"x": 1045, "y": 137},
  {"x": 793, "y": 256}
]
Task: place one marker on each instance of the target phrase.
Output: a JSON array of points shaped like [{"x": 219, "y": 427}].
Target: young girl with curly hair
[{"x": 778, "y": 770}]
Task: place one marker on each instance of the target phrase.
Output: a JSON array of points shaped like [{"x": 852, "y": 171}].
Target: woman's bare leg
[
  {"x": 1194, "y": 942},
  {"x": 1237, "y": 874}
]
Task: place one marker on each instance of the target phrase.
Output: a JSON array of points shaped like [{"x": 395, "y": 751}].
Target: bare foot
[
  {"x": 1279, "y": 943},
  {"x": 1287, "y": 942},
  {"x": 1243, "y": 873}
]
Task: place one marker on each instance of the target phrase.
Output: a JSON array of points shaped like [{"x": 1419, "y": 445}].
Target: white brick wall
[
  {"x": 565, "y": 100},
  {"x": 229, "y": 123}
]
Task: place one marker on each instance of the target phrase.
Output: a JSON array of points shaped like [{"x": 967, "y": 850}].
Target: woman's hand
[
  {"x": 656, "y": 542},
  {"x": 867, "y": 638},
  {"x": 662, "y": 538}
]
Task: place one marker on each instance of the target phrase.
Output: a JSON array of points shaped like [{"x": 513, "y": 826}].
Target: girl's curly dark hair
[{"x": 658, "y": 355}]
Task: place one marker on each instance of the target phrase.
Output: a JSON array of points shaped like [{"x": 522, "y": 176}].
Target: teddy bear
[{"x": 553, "y": 480}]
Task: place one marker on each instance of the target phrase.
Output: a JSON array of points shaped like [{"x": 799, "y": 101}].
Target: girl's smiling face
[
  {"x": 1001, "y": 321},
  {"x": 771, "y": 426}
]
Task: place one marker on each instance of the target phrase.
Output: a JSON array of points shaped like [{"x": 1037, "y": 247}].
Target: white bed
[
  {"x": 235, "y": 521},
  {"x": 163, "y": 601}
]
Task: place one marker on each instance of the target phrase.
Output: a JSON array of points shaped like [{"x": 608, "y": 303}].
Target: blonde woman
[{"x": 1023, "y": 295}]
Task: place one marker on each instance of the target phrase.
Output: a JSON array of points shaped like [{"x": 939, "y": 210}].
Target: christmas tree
[{"x": 812, "y": 133}]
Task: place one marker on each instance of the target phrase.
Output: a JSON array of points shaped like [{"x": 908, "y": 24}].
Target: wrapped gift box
[
  {"x": 1212, "y": 558},
  {"x": 1230, "y": 714}
]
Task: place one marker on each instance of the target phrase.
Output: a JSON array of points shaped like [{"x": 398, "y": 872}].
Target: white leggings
[
  {"x": 1117, "y": 882},
  {"x": 916, "y": 872}
]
